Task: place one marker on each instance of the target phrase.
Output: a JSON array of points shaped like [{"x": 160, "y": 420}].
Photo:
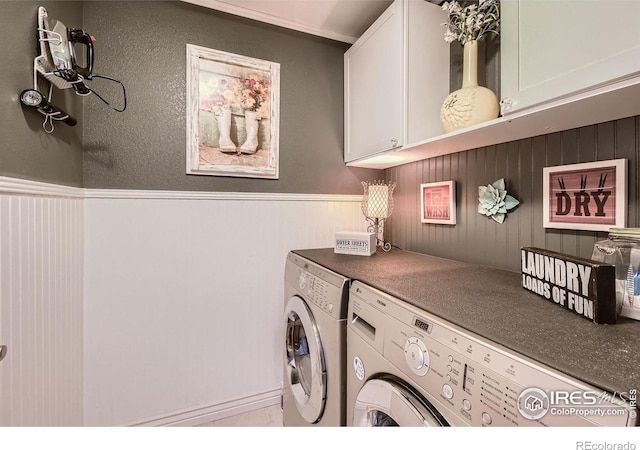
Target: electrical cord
[
  {"x": 124, "y": 93},
  {"x": 81, "y": 89}
]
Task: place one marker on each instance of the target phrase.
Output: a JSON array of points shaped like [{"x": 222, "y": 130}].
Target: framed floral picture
[
  {"x": 587, "y": 196},
  {"x": 438, "y": 202},
  {"x": 233, "y": 110}
]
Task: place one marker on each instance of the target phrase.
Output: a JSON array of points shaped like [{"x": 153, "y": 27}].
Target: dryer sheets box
[{"x": 355, "y": 243}]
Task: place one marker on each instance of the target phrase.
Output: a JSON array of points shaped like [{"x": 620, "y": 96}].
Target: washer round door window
[
  {"x": 385, "y": 403},
  {"x": 305, "y": 363}
]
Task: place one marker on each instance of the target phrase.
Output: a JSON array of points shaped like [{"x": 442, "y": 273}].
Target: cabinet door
[
  {"x": 427, "y": 70},
  {"x": 374, "y": 88},
  {"x": 553, "y": 49}
]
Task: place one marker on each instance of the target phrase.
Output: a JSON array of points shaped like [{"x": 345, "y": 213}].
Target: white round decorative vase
[{"x": 472, "y": 104}]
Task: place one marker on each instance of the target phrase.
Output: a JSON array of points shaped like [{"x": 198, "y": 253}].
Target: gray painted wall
[
  {"x": 479, "y": 239},
  {"x": 26, "y": 151},
  {"x": 143, "y": 44}
]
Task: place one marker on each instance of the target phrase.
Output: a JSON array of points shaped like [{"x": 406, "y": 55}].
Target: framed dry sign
[
  {"x": 588, "y": 196},
  {"x": 233, "y": 110},
  {"x": 438, "y": 202}
]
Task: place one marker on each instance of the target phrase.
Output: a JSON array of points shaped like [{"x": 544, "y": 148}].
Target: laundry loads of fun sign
[{"x": 582, "y": 286}]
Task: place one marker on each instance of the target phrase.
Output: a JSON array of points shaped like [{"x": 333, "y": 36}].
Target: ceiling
[{"x": 340, "y": 20}]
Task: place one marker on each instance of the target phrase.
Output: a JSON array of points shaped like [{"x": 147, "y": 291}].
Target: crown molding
[{"x": 271, "y": 19}]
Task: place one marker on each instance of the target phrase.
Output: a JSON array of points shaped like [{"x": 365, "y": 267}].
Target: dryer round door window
[
  {"x": 305, "y": 362},
  {"x": 385, "y": 402}
]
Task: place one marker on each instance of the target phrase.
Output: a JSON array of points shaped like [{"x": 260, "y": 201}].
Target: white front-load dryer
[
  {"x": 407, "y": 367},
  {"x": 314, "y": 344}
]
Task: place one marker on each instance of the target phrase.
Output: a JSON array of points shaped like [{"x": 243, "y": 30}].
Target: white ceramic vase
[
  {"x": 250, "y": 145},
  {"x": 225, "y": 143},
  {"x": 472, "y": 104}
]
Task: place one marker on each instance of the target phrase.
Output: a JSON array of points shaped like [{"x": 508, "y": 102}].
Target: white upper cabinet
[
  {"x": 396, "y": 78},
  {"x": 564, "y": 64},
  {"x": 555, "y": 49}
]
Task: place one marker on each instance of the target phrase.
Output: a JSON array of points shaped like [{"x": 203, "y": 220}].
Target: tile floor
[{"x": 265, "y": 417}]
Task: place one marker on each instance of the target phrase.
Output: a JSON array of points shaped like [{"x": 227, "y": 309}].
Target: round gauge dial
[{"x": 31, "y": 97}]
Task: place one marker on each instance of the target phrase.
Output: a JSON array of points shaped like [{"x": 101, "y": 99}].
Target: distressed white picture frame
[{"x": 207, "y": 70}]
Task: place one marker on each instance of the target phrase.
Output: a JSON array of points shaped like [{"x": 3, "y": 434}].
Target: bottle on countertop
[{"x": 622, "y": 250}]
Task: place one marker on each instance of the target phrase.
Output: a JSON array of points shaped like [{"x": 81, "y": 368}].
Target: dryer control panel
[{"x": 478, "y": 381}]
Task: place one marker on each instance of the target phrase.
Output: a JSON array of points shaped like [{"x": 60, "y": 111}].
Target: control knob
[
  {"x": 302, "y": 280},
  {"x": 417, "y": 356}
]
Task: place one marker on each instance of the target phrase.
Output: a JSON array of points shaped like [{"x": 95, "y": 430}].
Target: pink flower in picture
[
  {"x": 254, "y": 94},
  {"x": 218, "y": 93}
]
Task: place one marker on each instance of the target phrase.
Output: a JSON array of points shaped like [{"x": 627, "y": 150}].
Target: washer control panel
[
  {"x": 317, "y": 285},
  {"x": 316, "y": 291},
  {"x": 473, "y": 381}
]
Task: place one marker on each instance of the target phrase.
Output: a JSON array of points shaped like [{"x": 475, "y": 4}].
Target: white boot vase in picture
[
  {"x": 225, "y": 143},
  {"x": 250, "y": 145}
]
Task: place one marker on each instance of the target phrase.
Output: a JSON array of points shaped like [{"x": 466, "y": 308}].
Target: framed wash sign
[
  {"x": 588, "y": 196},
  {"x": 438, "y": 202}
]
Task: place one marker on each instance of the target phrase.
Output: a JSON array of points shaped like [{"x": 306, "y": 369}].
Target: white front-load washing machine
[
  {"x": 410, "y": 368},
  {"x": 314, "y": 387}
]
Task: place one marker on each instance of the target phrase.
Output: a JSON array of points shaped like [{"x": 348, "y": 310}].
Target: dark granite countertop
[{"x": 491, "y": 303}]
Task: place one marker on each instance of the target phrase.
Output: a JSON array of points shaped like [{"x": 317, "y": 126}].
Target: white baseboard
[{"x": 219, "y": 411}]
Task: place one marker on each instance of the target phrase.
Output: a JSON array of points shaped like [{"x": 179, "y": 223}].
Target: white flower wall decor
[{"x": 494, "y": 201}]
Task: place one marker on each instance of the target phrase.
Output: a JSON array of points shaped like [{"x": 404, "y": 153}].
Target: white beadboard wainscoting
[
  {"x": 41, "y": 304},
  {"x": 147, "y": 307},
  {"x": 184, "y": 299}
]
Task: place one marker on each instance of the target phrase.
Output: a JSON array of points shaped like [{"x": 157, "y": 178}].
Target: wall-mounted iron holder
[
  {"x": 44, "y": 64},
  {"x": 58, "y": 63}
]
